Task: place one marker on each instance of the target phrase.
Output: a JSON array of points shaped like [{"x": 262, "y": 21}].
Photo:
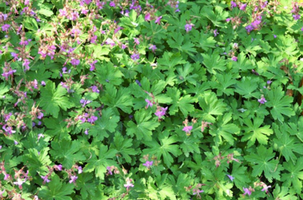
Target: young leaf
[
  {"x": 108, "y": 73},
  {"x": 117, "y": 99},
  {"x": 286, "y": 144},
  {"x": 223, "y": 129},
  {"x": 123, "y": 146},
  {"x": 53, "y": 99},
  {"x": 106, "y": 123},
  {"x": 56, "y": 190},
  {"x": 263, "y": 162},
  {"x": 101, "y": 161},
  {"x": 295, "y": 176},
  {"x": 247, "y": 87},
  {"x": 164, "y": 149},
  {"x": 67, "y": 152},
  {"x": 254, "y": 131},
  {"x": 211, "y": 105},
  {"x": 143, "y": 126},
  {"x": 180, "y": 103},
  {"x": 279, "y": 104}
]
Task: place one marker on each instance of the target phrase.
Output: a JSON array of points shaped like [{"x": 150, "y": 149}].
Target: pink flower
[
  {"x": 158, "y": 20},
  {"x": 128, "y": 183},
  {"x": 147, "y": 17},
  {"x": 80, "y": 170},
  {"x": 112, "y": 4},
  {"x": 247, "y": 191},
  {"x": 216, "y": 32},
  {"x": 160, "y": 112},
  {"x": 58, "y": 167},
  {"x": 5, "y": 27},
  {"x": 296, "y": 17},
  {"x": 148, "y": 164},
  {"x": 188, "y": 27},
  {"x": 75, "y": 62},
  {"x": 265, "y": 188},
  {"x": 233, "y": 4},
  {"x": 45, "y": 179},
  {"x": 137, "y": 41},
  {"x": 153, "y": 47},
  {"x": 242, "y": 6},
  {"x": 135, "y": 56},
  {"x": 234, "y": 58},
  {"x": 73, "y": 179},
  {"x": 187, "y": 129},
  {"x": 262, "y": 100},
  {"x": 149, "y": 103},
  {"x": 230, "y": 177}
]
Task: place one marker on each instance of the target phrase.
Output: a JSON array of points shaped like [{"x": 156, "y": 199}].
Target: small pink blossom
[{"x": 187, "y": 129}]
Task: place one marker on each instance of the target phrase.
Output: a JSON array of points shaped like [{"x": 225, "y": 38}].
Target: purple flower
[
  {"x": 80, "y": 170},
  {"x": 188, "y": 27},
  {"x": 75, "y": 62},
  {"x": 26, "y": 64},
  {"x": 58, "y": 167},
  {"x": 95, "y": 89},
  {"x": 147, "y": 17},
  {"x": 265, "y": 188},
  {"x": 73, "y": 179},
  {"x": 86, "y": 132},
  {"x": 197, "y": 191},
  {"x": 228, "y": 19},
  {"x": 135, "y": 56},
  {"x": 138, "y": 82},
  {"x": 92, "y": 119},
  {"x": 128, "y": 183},
  {"x": 40, "y": 115},
  {"x": 112, "y": 4},
  {"x": 247, "y": 191},
  {"x": 160, "y": 112},
  {"x": 40, "y": 135},
  {"x": 302, "y": 29},
  {"x": 9, "y": 130},
  {"x": 87, "y": 1},
  {"x": 45, "y": 179},
  {"x": 262, "y": 100},
  {"x": 233, "y": 4},
  {"x": 148, "y": 164},
  {"x": 234, "y": 58},
  {"x": 109, "y": 169},
  {"x": 158, "y": 20},
  {"x": 93, "y": 39},
  {"x": 249, "y": 28},
  {"x": 149, "y": 103},
  {"x": 84, "y": 102},
  {"x": 153, "y": 47},
  {"x": 19, "y": 182},
  {"x": 231, "y": 177},
  {"x": 242, "y": 6},
  {"x": 269, "y": 82},
  {"x": 137, "y": 41},
  {"x": 296, "y": 17},
  {"x": 6, "y": 176},
  {"x": 187, "y": 129},
  {"x": 5, "y": 27},
  {"x": 275, "y": 36},
  {"x": 92, "y": 65},
  {"x": 16, "y": 142},
  {"x": 216, "y": 32}
]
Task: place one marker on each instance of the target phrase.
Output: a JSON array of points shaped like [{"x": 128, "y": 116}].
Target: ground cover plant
[{"x": 151, "y": 99}]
